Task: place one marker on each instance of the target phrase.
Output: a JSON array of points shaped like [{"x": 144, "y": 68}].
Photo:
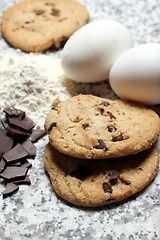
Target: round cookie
[
  {"x": 87, "y": 126},
  {"x": 96, "y": 183},
  {"x": 36, "y": 25}
]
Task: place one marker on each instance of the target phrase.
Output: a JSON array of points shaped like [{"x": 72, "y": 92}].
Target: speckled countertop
[{"x": 35, "y": 212}]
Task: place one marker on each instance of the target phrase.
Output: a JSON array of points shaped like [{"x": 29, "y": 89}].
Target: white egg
[
  {"x": 136, "y": 74},
  {"x": 90, "y": 52}
]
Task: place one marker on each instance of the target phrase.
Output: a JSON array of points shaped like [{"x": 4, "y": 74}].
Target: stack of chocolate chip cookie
[{"x": 100, "y": 150}]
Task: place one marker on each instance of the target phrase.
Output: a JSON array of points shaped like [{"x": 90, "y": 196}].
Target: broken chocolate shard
[
  {"x": 26, "y": 181},
  {"x": 81, "y": 172},
  {"x": 14, "y": 131},
  {"x": 37, "y": 134},
  {"x": 111, "y": 128},
  {"x": 15, "y": 154},
  {"x": 13, "y": 112},
  {"x": 118, "y": 138},
  {"x": 53, "y": 124},
  {"x": 6, "y": 143},
  {"x": 25, "y": 124},
  {"x": 14, "y": 173},
  {"x": 101, "y": 145},
  {"x": 30, "y": 148},
  {"x": 107, "y": 188},
  {"x": 10, "y": 189},
  {"x": 2, "y": 165},
  {"x": 26, "y": 164}
]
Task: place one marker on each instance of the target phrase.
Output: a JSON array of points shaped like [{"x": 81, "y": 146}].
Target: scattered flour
[{"x": 32, "y": 82}]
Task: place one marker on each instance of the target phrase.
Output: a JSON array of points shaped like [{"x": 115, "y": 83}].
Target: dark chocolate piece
[
  {"x": 2, "y": 165},
  {"x": 81, "y": 172},
  {"x": 105, "y": 103},
  {"x": 26, "y": 164},
  {"x": 14, "y": 131},
  {"x": 111, "y": 128},
  {"x": 37, "y": 134},
  {"x": 53, "y": 124},
  {"x": 113, "y": 177},
  {"x": 6, "y": 143},
  {"x": 111, "y": 115},
  {"x": 26, "y": 124},
  {"x": 10, "y": 189},
  {"x": 85, "y": 125},
  {"x": 15, "y": 154},
  {"x": 101, "y": 145},
  {"x": 14, "y": 173},
  {"x": 107, "y": 188},
  {"x": 118, "y": 138},
  {"x": 30, "y": 148},
  {"x": 55, "y": 12},
  {"x": 13, "y": 112},
  {"x": 26, "y": 180}
]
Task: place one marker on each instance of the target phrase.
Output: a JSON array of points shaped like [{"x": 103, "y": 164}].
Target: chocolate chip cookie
[
  {"x": 87, "y": 126},
  {"x": 36, "y": 25},
  {"x": 93, "y": 183}
]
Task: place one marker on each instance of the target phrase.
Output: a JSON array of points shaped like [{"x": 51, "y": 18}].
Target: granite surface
[{"x": 35, "y": 212}]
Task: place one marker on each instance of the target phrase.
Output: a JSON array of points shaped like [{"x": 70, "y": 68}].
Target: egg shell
[
  {"x": 90, "y": 52},
  {"x": 136, "y": 74}
]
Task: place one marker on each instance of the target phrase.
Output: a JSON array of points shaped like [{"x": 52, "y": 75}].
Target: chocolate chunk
[
  {"x": 3, "y": 132},
  {"x": 14, "y": 131},
  {"x": 118, "y": 138},
  {"x": 26, "y": 180},
  {"x": 10, "y": 189},
  {"x": 113, "y": 177},
  {"x": 6, "y": 143},
  {"x": 111, "y": 128},
  {"x": 14, "y": 173},
  {"x": 26, "y": 124},
  {"x": 30, "y": 148},
  {"x": 105, "y": 103},
  {"x": 39, "y": 11},
  {"x": 26, "y": 164},
  {"x": 111, "y": 115},
  {"x": 85, "y": 125},
  {"x": 101, "y": 145},
  {"x": 53, "y": 124},
  {"x": 2, "y": 165},
  {"x": 55, "y": 12},
  {"x": 107, "y": 188},
  {"x": 81, "y": 172},
  {"x": 14, "y": 112},
  {"x": 15, "y": 154},
  {"x": 37, "y": 134}
]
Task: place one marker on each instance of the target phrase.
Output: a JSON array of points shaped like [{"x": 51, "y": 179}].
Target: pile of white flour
[{"x": 31, "y": 83}]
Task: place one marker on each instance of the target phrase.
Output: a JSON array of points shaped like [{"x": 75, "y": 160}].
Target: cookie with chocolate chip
[
  {"x": 36, "y": 25},
  {"x": 93, "y": 183},
  {"x": 87, "y": 126}
]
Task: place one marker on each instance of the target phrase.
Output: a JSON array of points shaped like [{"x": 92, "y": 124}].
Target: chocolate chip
[
  {"x": 55, "y": 12},
  {"x": 25, "y": 124},
  {"x": 111, "y": 115},
  {"x": 101, "y": 145},
  {"x": 111, "y": 128},
  {"x": 105, "y": 103},
  {"x": 113, "y": 177},
  {"x": 13, "y": 112},
  {"x": 26, "y": 180},
  {"x": 2, "y": 165},
  {"x": 39, "y": 11},
  {"x": 85, "y": 125},
  {"x": 14, "y": 173},
  {"x": 118, "y": 138},
  {"x": 15, "y": 154},
  {"x": 53, "y": 124},
  {"x": 81, "y": 172},
  {"x": 30, "y": 148},
  {"x": 107, "y": 188},
  {"x": 6, "y": 143},
  {"x": 37, "y": 134},
  {"x": 10, "y": 189},
  {"x": 125, "y": 181}
]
